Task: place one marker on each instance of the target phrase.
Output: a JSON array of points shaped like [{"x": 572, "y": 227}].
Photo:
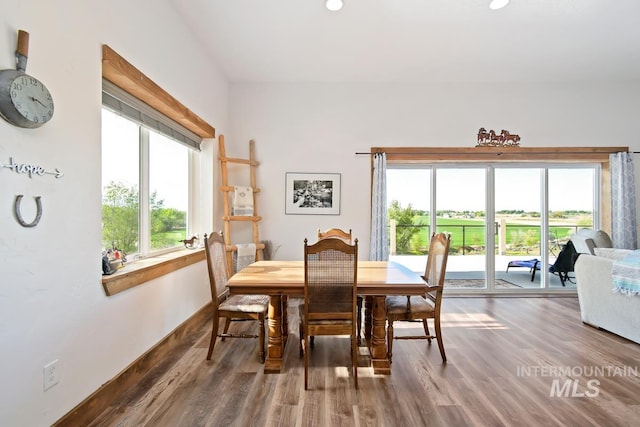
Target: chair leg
[
  {"x": 359, "y": 325},
  {"x": 354, "y": 360},
  {"x": 425, "y": 325},
  {"x": 533, "y": 270},
  {"x": 262, "y": 354},
  {"x": 214, "y": 335},
  {"x": 227, "y": 323},
  {"x": 301, "y": 335},
  {"x": 439, "y": 338},
  {"x": 390, "y": 340},
  {"x": 306, "y": 362}
]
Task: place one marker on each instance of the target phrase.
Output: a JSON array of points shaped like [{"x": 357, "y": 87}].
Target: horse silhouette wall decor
[{"x": 491, "y": 139}]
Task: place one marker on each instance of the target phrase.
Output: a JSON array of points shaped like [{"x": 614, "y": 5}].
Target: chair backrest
[
  {"x": 335, "y": 233},
  {"x": 437, "y": 263},
  {"x": 330, "y": 279},
  {"x": 216, "y": 255},
  {"x": 566, "y": 259}
]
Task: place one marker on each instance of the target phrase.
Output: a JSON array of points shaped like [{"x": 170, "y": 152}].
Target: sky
[
  {"x": 120, "y": 161},
  {"x": 516, "y": 188}
]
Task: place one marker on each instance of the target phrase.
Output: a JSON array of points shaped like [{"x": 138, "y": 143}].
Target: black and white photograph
[{"x": 312, "y": 193}]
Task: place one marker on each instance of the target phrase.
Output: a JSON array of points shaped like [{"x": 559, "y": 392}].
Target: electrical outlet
[{"x": 50, "y": 372}]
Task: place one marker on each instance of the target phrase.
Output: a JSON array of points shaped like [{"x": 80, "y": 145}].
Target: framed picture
[{"x": 312, "y": 194}]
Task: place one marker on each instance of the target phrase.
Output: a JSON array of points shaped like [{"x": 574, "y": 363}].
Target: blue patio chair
[{"x": 532, "y": 264}]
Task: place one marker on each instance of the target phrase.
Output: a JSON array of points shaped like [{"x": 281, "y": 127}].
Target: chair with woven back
[
  {"x": 419, "y": 307},
  {"x": 337, "y": 233},
  {"x": 231, "y": 307},
  {"x": 330, "y": 287}
]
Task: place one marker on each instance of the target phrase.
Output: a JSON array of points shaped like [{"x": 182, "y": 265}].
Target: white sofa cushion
[
  {"x": 586, "y": 240},
  {"x": 611, "y": 253},
  {"x": 602, "y": 239}
]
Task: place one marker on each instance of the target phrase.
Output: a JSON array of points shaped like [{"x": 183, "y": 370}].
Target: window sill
[{"x": 142, "y": 271}]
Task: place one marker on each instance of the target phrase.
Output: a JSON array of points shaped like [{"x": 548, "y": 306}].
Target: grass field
[
  {"x": 470, "y": 234},
  {"x": 167, "y": 240}
]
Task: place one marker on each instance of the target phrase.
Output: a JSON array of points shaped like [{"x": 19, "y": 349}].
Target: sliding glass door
[
  {"x": 508, "y": 222},
  {"x": 572, "y": 196},
  {"x": 519, "y": 227},
  {"x": 460, "y": 211},
  {"x": 409, "y": 199}
]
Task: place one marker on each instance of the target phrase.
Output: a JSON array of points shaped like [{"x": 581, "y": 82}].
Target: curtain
[
  {"x": 623, "y": 201},
  {"x": 379, "y": 241}
]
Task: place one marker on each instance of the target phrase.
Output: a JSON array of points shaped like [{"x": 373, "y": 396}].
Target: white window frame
[{"x": 119, "y": 102}]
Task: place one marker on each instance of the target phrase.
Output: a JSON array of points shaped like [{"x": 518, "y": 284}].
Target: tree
[
  {"x": 164, "y": 221},
  {"x": 120, "y": 217},
  {"x": 405, "y": 228}
]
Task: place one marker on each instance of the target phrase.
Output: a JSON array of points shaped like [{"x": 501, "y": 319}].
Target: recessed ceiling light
[
  {"x": 497, "y": 4},
  {"x": 334, "y": 5}
]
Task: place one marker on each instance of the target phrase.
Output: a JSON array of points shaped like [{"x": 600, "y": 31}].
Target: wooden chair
[
  {"x": 417, "y": 307},
  {"x": 337, "y": 233},
  {"x": 330, "y": 285},
  {"x": 231, "y": 307}
]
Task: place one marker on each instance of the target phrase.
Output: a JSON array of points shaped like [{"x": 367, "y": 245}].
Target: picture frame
[{"x": 312, "y": 193}]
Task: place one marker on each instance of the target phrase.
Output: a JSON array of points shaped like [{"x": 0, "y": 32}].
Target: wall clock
[{"x": 24, "y": 100}]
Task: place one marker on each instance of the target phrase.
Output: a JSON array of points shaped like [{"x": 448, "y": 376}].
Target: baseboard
[{"x": 98, "y": 401}]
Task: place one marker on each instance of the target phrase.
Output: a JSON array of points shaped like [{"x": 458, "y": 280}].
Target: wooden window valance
[
  {"x": 498, "y": 154},
  {"x": 417, "y": 155},
  {"x": 121, "y": 73}
]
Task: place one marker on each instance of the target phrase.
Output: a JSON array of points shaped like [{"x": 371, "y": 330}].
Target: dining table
[{"x": 283, "y": 279}]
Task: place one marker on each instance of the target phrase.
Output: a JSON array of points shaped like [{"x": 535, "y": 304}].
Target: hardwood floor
[{"x": 511, "y": 362}]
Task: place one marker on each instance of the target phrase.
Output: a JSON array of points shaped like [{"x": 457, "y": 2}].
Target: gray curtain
[
  {"x": 379, "y": 241},
  {"x": 623, "y": 201}
]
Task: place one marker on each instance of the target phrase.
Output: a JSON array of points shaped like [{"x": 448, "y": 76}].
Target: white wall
[
  {"x": 320, "y": 127},
  {"x": 52, "y": 305}
]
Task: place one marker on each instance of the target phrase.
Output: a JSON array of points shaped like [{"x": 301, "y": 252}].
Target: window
[
  {"x": 145, "y": 178},
  {"x": 151, "y": 99},
  {"x": 120, "y": 183}
]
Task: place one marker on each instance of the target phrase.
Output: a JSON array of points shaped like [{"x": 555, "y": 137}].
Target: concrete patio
[{"x": 466, "y": 267}]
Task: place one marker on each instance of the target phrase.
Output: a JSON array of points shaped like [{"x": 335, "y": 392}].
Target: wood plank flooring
[{"x": 511, "y": 362}]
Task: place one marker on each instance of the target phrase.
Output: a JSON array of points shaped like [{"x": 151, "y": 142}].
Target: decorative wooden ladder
[{"x": 227, "y": 192}]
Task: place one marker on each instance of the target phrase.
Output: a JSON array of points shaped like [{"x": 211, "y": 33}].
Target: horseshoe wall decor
[{"x": 19, "y": 213}]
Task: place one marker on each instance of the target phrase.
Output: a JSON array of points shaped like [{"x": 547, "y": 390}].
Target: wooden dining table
[{"x": 283, "y": 279}]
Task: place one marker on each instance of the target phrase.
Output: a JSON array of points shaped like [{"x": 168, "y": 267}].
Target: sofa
[
  {"x": 586, "y": 240},
  {"x": 600, "y": 306}
]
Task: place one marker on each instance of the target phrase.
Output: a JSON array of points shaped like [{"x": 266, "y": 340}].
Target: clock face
[{"x": 32, "y": 100}]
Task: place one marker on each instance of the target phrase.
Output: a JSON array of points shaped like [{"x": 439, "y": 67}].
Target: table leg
[
  {"x": 275, "y": 347},
  {"x": 368, "y": 318},
  {"x": 379, "y": 360},
  {"x": 285, "y": 320}
]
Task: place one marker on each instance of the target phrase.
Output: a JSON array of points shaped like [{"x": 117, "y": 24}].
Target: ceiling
[{"x": 419, "y": 40}]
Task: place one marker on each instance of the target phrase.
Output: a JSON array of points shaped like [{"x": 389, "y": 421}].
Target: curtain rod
[{"x": 499, "y": 153}]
